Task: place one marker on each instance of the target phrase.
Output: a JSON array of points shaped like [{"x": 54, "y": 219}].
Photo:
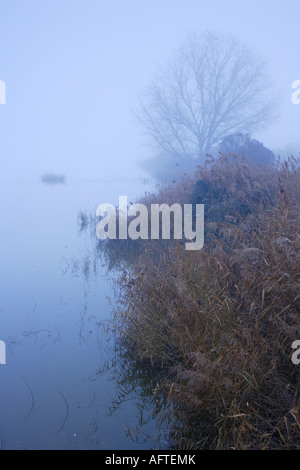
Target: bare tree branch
[{"x": 212, "y": 86}]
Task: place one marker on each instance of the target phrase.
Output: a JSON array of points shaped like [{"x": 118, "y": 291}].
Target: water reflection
[
  {"x": 135, "y": 383},
  {"x": 65, "y": 386}
]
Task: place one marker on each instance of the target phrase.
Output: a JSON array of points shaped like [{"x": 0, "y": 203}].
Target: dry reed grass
[{"x": 221, "y": 321}]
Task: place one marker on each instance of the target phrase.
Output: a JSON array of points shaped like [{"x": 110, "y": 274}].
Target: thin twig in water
[
  {"x": 67, "y": 411},
  {"x": 32, "y": 400}
]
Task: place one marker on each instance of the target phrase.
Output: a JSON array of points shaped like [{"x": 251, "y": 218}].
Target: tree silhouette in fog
[{"x": 212, "y": 86}]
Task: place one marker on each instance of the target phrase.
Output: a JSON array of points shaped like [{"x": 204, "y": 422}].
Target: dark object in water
[{"x": 53, "y": 178}]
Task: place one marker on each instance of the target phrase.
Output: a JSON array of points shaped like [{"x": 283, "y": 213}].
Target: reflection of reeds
[
  {"x": 86, "y": 267},
  {"x": 220, "y": 322},
  {"x": 45, "y": 334},
  {"x": 83, "y": 220},
  {"x": 136, "y": 383},
  {"x": 117, "y": 254}
]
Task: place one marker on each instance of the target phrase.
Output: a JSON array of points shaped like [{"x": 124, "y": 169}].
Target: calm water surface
[{"x": 55, "y": 392}]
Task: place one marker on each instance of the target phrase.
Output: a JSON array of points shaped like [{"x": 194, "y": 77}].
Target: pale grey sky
[{"x": 73, "y": 69}]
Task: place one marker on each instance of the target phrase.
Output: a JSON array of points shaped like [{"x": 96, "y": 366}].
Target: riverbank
[{"x": 221, "y": 321}]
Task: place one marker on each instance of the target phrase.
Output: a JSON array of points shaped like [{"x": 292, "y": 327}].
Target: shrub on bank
[{"x": 221, "y": 320}]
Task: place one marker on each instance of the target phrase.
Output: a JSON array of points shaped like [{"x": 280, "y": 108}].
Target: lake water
[{"x": 55, "y": 392}]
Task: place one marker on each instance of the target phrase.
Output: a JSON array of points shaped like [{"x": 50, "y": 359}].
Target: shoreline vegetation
[{"x": 220, "y": 321}]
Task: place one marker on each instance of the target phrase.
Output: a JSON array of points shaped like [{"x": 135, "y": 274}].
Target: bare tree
[{"x": 212, "y": 87}]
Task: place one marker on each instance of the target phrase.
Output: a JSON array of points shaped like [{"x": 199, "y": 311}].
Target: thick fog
[{"x": 73, "y": 70}]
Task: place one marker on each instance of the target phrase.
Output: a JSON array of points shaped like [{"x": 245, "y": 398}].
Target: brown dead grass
[{"x": 221, "y": 321}]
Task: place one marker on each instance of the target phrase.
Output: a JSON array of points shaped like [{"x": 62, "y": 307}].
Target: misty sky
[{"x": 73, "y": 69}]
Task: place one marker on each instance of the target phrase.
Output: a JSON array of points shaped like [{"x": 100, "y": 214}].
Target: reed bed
[{"x": 221, "y": 321}]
